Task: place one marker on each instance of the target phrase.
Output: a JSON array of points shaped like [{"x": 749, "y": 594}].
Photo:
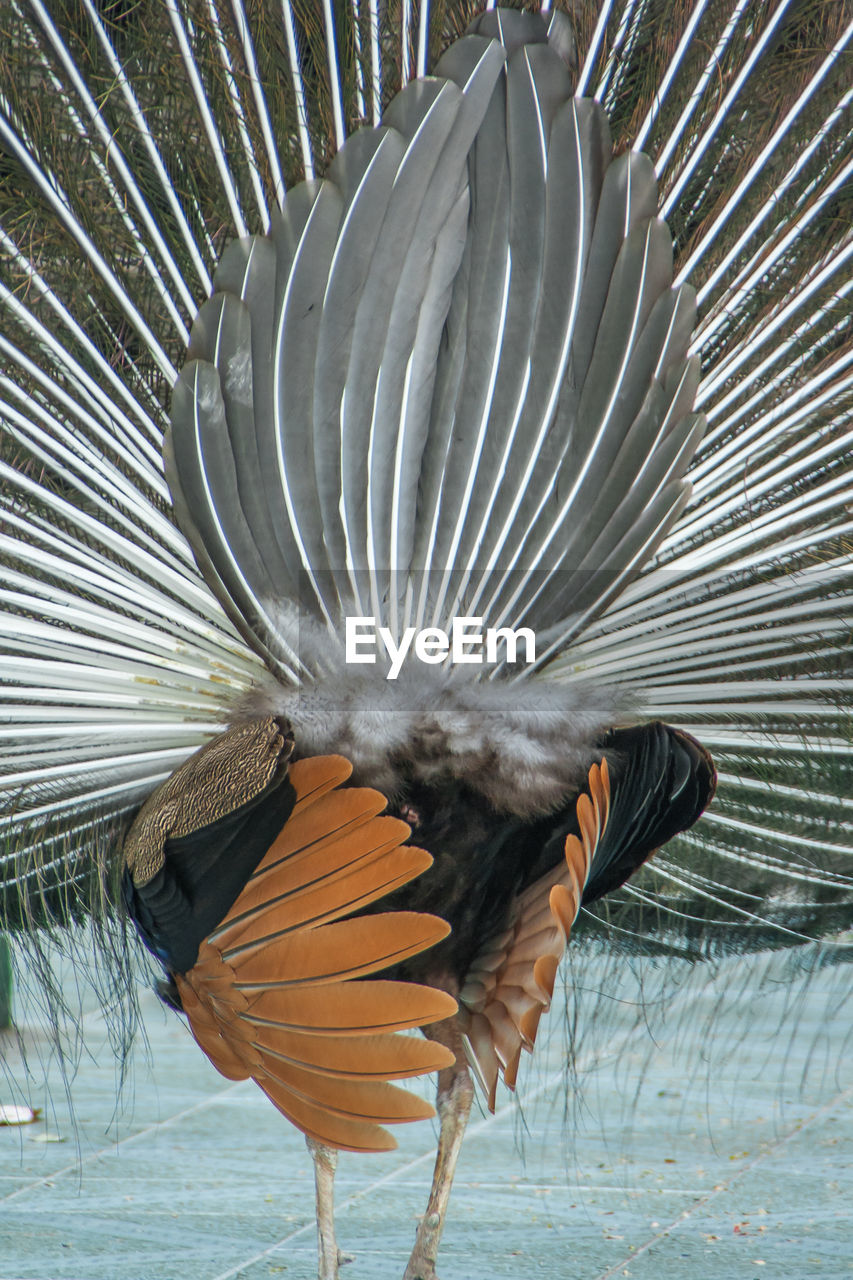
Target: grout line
[
  {"x": 583, "y": 1063},
  {"x": 727, "y": 1185},
  {"x": 569, "y": 1188},
  {"x": 392, "y": 1176},
  {"x": 209, "y": 1101}
]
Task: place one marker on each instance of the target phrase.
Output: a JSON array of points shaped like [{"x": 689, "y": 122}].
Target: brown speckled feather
[{"x": 220, "y": 778}]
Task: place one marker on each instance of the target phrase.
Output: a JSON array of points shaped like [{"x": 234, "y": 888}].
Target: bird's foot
[
  {"x": 420, "y": 1271},
  {"x": 422, "y": 1262},
  {"x": 329, "y": 1266}
]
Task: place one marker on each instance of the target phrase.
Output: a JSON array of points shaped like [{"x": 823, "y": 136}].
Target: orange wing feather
[
  {"x": 280, "y": 990},
  {"x": 510, "y": 984}
]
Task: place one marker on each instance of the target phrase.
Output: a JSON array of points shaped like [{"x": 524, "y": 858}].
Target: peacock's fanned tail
[{"x": 138, "y": 140}]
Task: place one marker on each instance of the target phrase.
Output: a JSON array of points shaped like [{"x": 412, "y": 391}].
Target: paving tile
[{"x": 712, "y": 1143}]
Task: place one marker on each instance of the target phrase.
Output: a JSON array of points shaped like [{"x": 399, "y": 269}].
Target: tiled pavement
[{"x": 710, "y": 1139}]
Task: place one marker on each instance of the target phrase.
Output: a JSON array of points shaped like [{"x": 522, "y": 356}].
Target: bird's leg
[
  {"x": 329, "y": 1256},
  {"x": 455, "y": 1095}
]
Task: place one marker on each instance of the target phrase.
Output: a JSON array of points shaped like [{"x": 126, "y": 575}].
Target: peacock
[{"x": 425, "y": 482}]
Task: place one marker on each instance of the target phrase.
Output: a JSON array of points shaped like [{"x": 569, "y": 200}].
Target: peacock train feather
[{"x": 683, "y": 553}]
